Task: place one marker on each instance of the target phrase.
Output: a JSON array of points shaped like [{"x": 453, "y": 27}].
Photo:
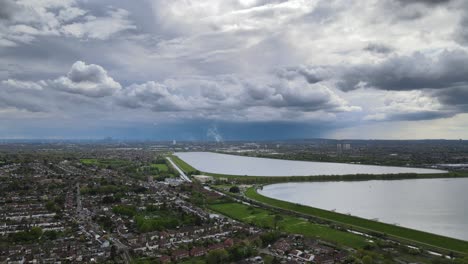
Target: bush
[
  {"x": 27, "y": 236},
  {"x": 217, "y": 256},
  {"x": 234, "y": 189},
  {"x": 124, "y": 210},
  {"x": 367, "y": 260}
]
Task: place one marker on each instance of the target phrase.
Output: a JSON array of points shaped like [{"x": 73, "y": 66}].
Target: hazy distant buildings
[{"x": 342, "y": 147}]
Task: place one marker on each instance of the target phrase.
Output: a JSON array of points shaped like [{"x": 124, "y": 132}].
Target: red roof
[
  {"x": 199, "y": 251},
  {"x": 229, "y": 242},
  {"x": 165, "y": 259},
  {"x": 215, "y": 246},
  {"x": 178, "y": 254}
]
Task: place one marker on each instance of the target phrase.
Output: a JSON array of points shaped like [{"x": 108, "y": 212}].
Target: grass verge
[
  {"x": 400, "y": 233},
  {"x": 184, "y": 166},
  {"x": 322, "y": 178},
  {"x": 290, "y": 224}
]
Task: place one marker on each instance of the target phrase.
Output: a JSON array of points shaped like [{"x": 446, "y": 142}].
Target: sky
[{"x": 234, "y": 69}]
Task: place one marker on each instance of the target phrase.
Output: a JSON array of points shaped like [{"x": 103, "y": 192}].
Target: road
[
  {"x": 182, "y": 174},
  {"x": 79, "y": 206}
]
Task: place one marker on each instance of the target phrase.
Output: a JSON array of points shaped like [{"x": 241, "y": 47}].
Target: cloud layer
[
  {"x": 221, "y": 98},
  {"x": 25, "y": 20},
  {"x": 311, "y": 63}
]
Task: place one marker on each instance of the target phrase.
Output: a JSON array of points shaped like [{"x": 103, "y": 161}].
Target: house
[
  {"x": 197, "y": 252},
  {"x": 281, "y": 247},
  {"x": 228, "y": 242},
  {"x": 180, "y": 254},
  {"x": 215, "y": 246},
  {"x": 164, "y": 259},
  {"x": 203, "y": 178}
]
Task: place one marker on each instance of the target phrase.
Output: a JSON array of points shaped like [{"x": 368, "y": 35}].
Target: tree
[
  {"x": 36, "y": 232},
  {"x": 234, "y": 189},
  {"x": 217, "y": 256},
  {"x": 462, "y": 260},
  {"x": 367, "y": 260},
  {"x": 269, "y": 238},
  {"x": 113, "y": 253},
  {"x": 276, "y": 220},
  {"x": 270, "y": 260},
  {"x": 50, "y": 235}
]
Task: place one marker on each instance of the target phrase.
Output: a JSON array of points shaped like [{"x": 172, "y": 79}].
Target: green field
[
  {"x": 105, "y": 162},
  {"x": 290, "y": 224},
  {"x": 89, "y": 161},
  {"x": 160, "y": 167},
  {"x": 400, "y": 233}
]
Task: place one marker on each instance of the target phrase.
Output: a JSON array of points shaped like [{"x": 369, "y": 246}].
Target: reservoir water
[
  {"x": 437, "y": 206},
  {"x": 239, "y": 165}
]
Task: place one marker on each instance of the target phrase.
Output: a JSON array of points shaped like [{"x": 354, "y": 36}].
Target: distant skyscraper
[
  {"x": 174, "y": 142},
  {"x": 346, "y": 146},
  {"x": 338, "y": 148}
]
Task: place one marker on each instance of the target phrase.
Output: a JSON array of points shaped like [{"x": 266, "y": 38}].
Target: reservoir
[
  {"x": 240, "y": 165},
  {"x": 437, "y": 206}
]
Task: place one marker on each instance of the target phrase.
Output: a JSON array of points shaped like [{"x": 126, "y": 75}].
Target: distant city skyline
[{"x": 233, "y": 70}]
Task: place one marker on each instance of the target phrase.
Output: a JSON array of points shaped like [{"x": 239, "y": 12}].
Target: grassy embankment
[
  {"x": 184, "y": 166},
  {"x": 290, "y": 224},
  {"x": 323, "y": 178},
  {"x": 400, "y": 233}
]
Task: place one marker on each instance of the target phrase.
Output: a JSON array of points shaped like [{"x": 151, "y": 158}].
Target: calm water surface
[
  {"x": 238, "y": 165},
  {"x": 437, "y": 206}
]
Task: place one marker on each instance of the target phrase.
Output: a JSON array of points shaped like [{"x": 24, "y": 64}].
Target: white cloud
[
  {"x": 12, "y": 84},
  {"x": 88, "y": 80},
  {"x": 408, "y": 105}
]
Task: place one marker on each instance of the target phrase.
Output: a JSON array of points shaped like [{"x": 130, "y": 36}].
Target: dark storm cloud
[
  {"x": 417, "y": 71},
  {"x": 46, "y": 58},
  {"x": 325, "y": 11},
  {"x": 456, "y": 97},
  {"x": 442, "y": 77},
  {"x": 426, "y": 2},
  {"x": 378, "y": 48},
  {"x": 461, "y": 33},
  {"x": 22, "y": 103},
  {"x": 411, "y": 10},
  {"x": 418, "y": 115},
  {"x": 223, "y": 96},
  {"x": 220, "y": 98},
  {"x": 7, "y": 9}
]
